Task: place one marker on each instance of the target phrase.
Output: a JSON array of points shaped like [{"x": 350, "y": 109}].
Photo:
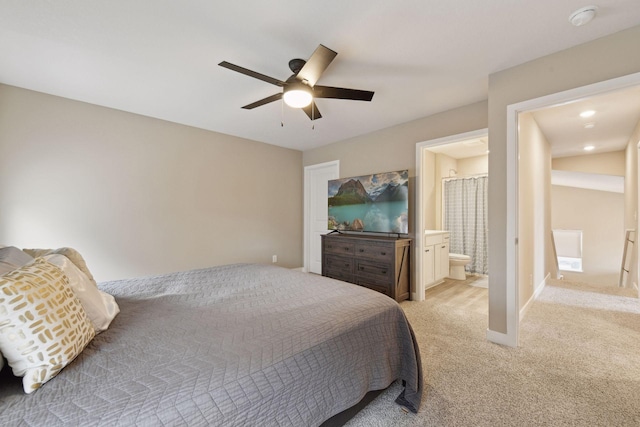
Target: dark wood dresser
[{"x": 379, "y": 263}]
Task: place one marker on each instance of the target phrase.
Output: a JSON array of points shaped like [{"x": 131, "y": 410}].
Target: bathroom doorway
[{"x": 452, "y": 173}]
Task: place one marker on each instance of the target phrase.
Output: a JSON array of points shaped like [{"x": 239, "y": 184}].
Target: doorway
[
  {"x": 429, "y": 197},
  {"x": 519, "y": 291}
]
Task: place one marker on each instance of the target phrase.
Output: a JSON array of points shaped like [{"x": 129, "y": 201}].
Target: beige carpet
[{"x": 578, "y": 364}]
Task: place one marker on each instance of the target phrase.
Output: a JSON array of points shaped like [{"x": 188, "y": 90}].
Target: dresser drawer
[
  {"x": 374, "y": 252},
  {"x": 335, "y": 263},
  {"x": 380, "y": 273},
  {"x": 383, "y": 289},
  {"x": 342, "y": 248},
  {"x": 343, "y": 275}
]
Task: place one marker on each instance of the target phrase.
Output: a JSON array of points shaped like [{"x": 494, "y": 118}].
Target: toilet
[{"x": 456, "y": 266}]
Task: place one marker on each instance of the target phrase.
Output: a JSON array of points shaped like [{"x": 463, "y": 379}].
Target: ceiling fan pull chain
[{"x": 282, "y": 114}]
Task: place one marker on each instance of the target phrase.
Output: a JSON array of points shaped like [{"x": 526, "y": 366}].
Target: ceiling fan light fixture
[{"x": 297, "y": 95}]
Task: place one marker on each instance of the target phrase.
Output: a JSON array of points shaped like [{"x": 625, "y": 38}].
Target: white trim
[
  {"x": 306, "y": 208},
  {"x": 577, "y": 94},
  {"x": 536, "y": 293},
  {"x": 512, "y": 298},
  {"x": 498, "y": 338},
  {"x": 513, "y": 110},
  {"x": 419, "y": 286}
]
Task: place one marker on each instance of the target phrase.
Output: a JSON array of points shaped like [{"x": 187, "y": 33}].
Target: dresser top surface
[{"x": 366, "y": 237}]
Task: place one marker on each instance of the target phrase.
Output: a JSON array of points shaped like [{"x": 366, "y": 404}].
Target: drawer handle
[
  {"x": 346, "y": 265},
  {"x": 383, "y": 253},
  {"x": 384, "y": 271},
  {"x": 426, "y": 250},
  {"x": 443, "y": 246},
  {"x": 361, "y": 250}
]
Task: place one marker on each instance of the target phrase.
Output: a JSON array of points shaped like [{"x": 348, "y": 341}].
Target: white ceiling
[
  {"x": 159, "y": 57},
  {"x": 609, "y": 129}
]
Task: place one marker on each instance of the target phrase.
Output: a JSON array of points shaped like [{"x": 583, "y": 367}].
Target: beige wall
[
  {"x": 599, "y": 214},
  {"x": 534, "y": 197},
  {"x": 394, "y": 148},
  {"x": 611, "y": 163},
  {"x": 139, "y": 196},
  {"x": 444, "y": 164},
  {"x": 477, "y": 165},
  {"x": 429, "y": 191},
  {"x": 602, "y": 59}
]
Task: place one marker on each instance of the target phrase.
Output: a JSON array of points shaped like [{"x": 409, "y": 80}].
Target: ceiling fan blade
[
  {"x": 250, "y": 73},
  {"x": 266, "y": 100},
  {"x": 312, "y": 111},
  {"x": 342, "y": 93},
  {"x": 315, "y": 66}
]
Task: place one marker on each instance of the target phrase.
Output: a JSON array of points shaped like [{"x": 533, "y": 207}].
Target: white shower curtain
[{"x": 465, "y": 216}]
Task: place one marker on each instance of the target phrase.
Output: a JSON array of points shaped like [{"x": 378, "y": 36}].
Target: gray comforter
[{"x": 235, "y": 345}]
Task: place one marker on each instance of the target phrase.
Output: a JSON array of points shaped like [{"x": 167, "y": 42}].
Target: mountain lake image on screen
[{"x": 373, "y": 203}]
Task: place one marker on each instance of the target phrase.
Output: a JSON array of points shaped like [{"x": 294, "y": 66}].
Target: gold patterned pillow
[{"x": 43, "y": 326}]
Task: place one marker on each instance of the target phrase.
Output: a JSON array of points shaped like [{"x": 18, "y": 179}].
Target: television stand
[{"x": 380, "y": 263}]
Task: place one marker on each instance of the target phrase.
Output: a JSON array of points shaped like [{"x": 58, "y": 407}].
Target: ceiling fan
[{"x": 300, "y": 90}]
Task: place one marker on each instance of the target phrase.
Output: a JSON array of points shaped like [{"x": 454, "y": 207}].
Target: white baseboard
[
  {"x": 501, "y": 338},
  {"x": 299, "y": 269},
  {"x": 434, "y": 284},
  {"x": 536, "y": 293}
]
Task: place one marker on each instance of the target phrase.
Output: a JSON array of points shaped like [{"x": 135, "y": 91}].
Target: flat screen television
[{"x": 372, "y": 203}]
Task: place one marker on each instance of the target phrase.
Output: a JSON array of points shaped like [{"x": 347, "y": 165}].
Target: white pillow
[
  {"x": 43, "y": 326},
  {"x": 100, "y": 306},
  {"x": 73, "y": 255},
  {"x": 12, "y": 258}
]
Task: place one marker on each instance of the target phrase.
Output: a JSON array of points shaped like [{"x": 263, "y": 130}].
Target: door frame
[
  {"x": 308, "y": 175},
  {"x": 511, "y": 338},
  {"x": 419, "y": 288}
]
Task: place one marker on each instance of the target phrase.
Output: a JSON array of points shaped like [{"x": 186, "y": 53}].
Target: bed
[{"x": 235, "y": 345}]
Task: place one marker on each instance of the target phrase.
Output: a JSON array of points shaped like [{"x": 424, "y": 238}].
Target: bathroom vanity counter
[{"x": 436, "y": 257}]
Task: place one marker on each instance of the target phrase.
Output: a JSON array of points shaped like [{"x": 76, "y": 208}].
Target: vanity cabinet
[
  {"x": 379, "y": 263},
  {"x": 435, "y": 257}
]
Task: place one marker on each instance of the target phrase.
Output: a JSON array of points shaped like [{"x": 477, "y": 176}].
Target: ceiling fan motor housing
[{"x": 295, "y": 65}]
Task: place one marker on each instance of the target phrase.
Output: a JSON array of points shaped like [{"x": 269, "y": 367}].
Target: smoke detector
[{"x": 583, "y": 16}]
